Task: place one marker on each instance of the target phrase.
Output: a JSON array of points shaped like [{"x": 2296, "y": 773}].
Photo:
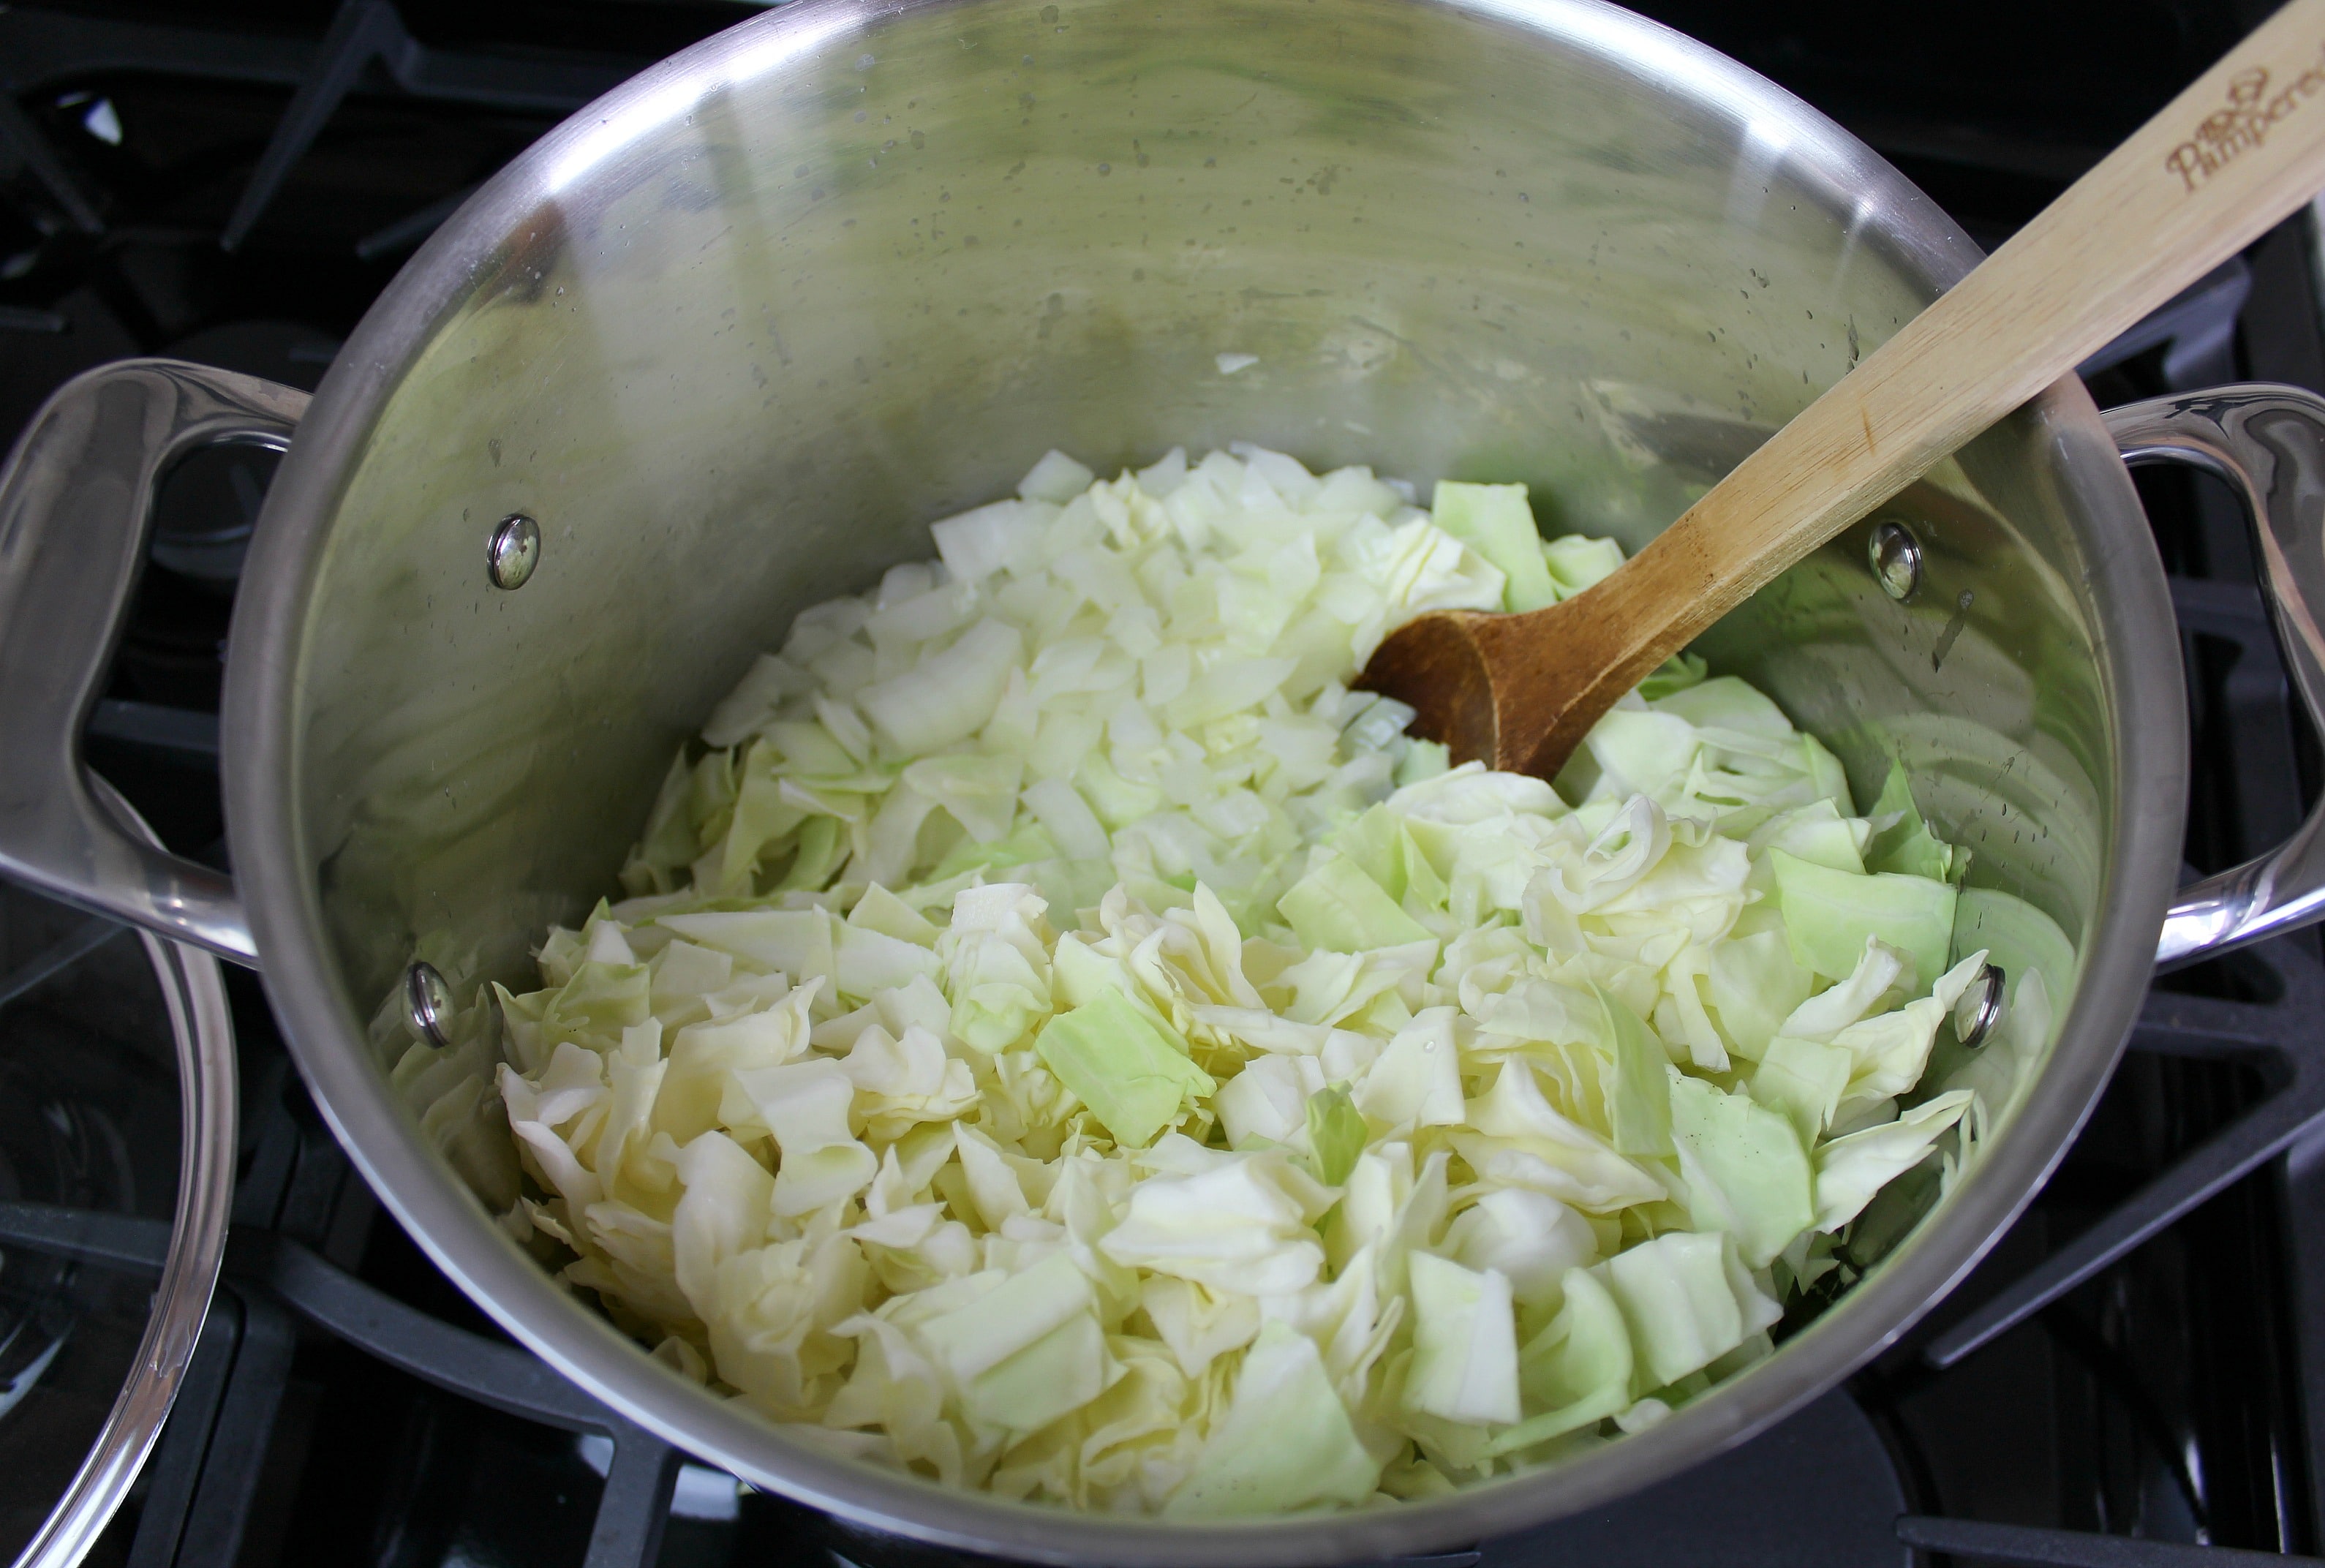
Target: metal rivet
[
  {"x": 427, "y": 1002},
  {"x": 515, "y": 551},
  {"x": 1980, "y": 1007},
  {"x": 1895, "y": 557}
]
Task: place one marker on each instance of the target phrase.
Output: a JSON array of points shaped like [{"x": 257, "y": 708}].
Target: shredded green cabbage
[{"x": 1058, "y": 1038}]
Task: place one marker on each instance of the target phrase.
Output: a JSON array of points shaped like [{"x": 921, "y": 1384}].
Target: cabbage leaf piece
[
  {"x": 1027, "y": 1351},
  {"x": 1523, "y": 1141},
  {"x": 1829, "y": 914},
  {"x": 1336, "y": 1134},
  {"x": 1755, "y": 983},
  {"x": 995, "y": 964},
  {"x": 805, "y": 1104},
  {"x": 1529, "y": 1237},
  {"x": 1382, "y": 844},
  {"x": 1337, "y": 908},
  {"x": 1577, "y": 562},
  {"x": 1417, "y": 1079},
  {"x": 791, "y": 941},
  {"x": 1132, "y": 1077},
  {"x": 1639, "y": 1087},
  {"x": 1804, "y": 1079},
  {"x": 1688, "y": 1302},
  {"x": 1285, "y": 1442},
  {"x": 1745, "y": 1170},
  {"x": 1244, "y": 1223},
  {"x": 1495, "y": 520},
  {"x": 1465, "y": 1349},
  {"x": 1577, "y": 1370},
  {"x": 941, "y": 701},
  {"x": 1907, "y": 846},
  {"x": 1850, "y": 1170}
]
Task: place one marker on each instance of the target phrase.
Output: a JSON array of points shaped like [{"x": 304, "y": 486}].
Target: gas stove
[{"x": 2135, "y": 1376}]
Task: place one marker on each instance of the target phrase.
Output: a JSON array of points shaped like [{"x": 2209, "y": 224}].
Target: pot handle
[
  {"x": 2268, "y": 442},
  {"x": 75, "y": 505}
]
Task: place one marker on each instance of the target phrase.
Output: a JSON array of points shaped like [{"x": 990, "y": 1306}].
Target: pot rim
[{"x": 325, "y": 1028}]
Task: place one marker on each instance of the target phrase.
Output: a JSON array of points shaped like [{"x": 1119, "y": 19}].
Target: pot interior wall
[{"x": 735, "y": 348}]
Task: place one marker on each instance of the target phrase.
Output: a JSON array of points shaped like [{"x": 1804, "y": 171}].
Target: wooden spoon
[{"x": 2232, "y": 155}]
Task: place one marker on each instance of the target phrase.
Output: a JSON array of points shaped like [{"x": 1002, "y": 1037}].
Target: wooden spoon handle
[{"x": 2236, "y": 151}]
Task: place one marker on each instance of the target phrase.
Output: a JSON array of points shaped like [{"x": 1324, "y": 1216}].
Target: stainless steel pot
[{"x": 735, "y": 333}]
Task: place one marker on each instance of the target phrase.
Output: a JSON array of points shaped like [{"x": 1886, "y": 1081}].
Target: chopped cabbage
[
  {"x": 1285, "y": 1441},
  {"x": 1465, "y": 1348},
  {"x": 1829, "y": 915},
  {"x": 1576, "y": 1372},
  {"x": 1496, "y": 522},
  {"x": 1111, "y": 1056},
  {"x": 1688, "y": 1300},
  {"x": 1060, "y": 1038}
]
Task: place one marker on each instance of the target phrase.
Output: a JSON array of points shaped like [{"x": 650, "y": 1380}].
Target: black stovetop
[{"x": 2140, "y": 1361}]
